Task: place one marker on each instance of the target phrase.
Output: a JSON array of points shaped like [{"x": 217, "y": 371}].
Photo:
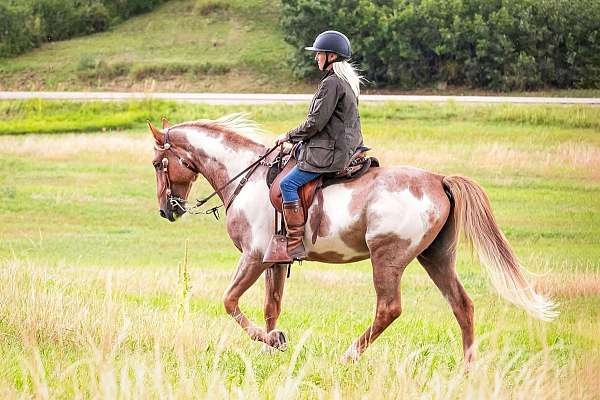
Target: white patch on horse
[
  {"x": 253, "y": 201},
  {"x": 402, "y": 214},
  {"x": 336, "y": 207},
  {"x": 234, "y": 161}
]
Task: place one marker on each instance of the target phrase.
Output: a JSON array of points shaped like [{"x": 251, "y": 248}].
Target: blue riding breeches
[{"x": 290, "y": 184}]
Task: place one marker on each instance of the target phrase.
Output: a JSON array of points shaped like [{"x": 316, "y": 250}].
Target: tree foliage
[
  {"x": 493, "y": 44},
  {"x": 25, "y": 24}
]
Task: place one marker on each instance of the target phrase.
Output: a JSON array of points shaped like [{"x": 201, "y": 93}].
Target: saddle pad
[{"x": 332, "y": 179}]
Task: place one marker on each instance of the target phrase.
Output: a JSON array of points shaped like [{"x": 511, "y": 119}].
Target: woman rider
[{"x": 330, "y": 134}]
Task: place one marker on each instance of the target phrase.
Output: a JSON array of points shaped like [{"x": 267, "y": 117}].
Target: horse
[{"x": 391, "y": 215}]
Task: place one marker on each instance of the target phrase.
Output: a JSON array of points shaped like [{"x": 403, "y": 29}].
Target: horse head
[{"x": 175, "y": 172}]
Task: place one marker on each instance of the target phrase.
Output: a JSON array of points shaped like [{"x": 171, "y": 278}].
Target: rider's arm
[{"x": 322, "y": 108}]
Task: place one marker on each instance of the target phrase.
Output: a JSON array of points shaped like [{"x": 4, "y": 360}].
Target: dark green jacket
[{"x": 331, "y": 131}]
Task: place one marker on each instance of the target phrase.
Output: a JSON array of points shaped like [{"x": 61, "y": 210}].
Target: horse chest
[{"x": 250, "y": 220}]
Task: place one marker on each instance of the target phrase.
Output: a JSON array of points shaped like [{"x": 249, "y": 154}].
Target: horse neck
[{"x": 220, "y": 155}]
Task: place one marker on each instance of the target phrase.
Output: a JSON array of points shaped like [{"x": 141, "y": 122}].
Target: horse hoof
[
  {"x": 268, "y": 350},
  {"x": 350, "y": 356},
  {"x": 278, "y": 340}
]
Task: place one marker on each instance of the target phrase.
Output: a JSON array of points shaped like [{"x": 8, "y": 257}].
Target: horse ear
[
  {"x": 158, "y": 136},
  {"x": 165, "y": 122}
]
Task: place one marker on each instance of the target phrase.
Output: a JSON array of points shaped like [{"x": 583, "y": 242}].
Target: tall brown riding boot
[{"x": 293, "y": 215}]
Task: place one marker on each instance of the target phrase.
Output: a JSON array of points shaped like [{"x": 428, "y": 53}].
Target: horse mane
[{"x": 236, "y": 123}]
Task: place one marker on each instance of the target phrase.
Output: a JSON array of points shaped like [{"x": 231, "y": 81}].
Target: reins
[
  {"x": 177, "y": 201},
  {"x": 251, "y": 168}
]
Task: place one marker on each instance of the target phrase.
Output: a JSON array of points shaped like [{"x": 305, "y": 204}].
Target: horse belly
[{"x": 340, "y": 236}]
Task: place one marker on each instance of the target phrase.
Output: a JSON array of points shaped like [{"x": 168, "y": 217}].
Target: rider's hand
[{"x": 282, "y": 139}]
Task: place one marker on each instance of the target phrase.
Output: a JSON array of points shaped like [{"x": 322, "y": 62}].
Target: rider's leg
[
  {"x": 293, "y": 214},
  {"x": 290, "y": 184}
]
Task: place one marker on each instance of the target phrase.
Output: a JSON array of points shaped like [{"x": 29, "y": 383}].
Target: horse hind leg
[
  {"x": 388, "y": 256},
  {"x": 439, "y": 260}
]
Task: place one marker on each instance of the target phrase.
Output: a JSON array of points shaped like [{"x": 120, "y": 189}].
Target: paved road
[{"x": 234, "y": 98}]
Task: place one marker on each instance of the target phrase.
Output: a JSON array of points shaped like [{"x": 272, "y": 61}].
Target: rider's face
[{"x": 320, "y": 58}]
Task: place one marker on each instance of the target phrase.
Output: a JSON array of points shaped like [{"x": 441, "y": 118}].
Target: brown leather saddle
[
  {"x": 357, "y": 166},
  {"x": 307, "y": 192}
]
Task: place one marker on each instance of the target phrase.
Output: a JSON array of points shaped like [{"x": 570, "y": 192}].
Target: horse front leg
[
  {"x": 248, "y": 271},
  {"x": 274, "y": 283}
]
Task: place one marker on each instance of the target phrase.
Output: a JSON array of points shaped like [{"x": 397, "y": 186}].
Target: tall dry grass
[
  {"x": 82, "y": 338},
  {"x": 562, "y": 159}
]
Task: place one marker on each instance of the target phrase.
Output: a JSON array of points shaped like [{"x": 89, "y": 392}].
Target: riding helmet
[{"x": 334, "y": 42}]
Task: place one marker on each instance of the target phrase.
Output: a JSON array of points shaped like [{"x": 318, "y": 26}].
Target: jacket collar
[{"x": 327, "y": 73}]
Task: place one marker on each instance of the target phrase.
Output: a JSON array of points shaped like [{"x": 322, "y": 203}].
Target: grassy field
[{"x": 89, "y": 286}]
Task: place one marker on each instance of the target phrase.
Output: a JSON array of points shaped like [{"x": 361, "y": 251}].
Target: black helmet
[{"x": 334, "y": 42}]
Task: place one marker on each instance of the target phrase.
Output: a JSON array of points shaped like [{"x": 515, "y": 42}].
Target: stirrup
[{"x": 277, "y": 251}]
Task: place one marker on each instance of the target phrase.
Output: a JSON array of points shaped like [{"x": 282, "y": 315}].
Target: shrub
[
  {"x": 207, "y": 7},
  {"x": 140, "y": 72},
  {"x": 88, "y": 69},
  {"x": 24, "y": 24},
  {"x": 86, "y": 63},
  {"x": 18, "y": 32},
  {"x": 211, "y": 69},
  {"x": 494, "y": 44}
]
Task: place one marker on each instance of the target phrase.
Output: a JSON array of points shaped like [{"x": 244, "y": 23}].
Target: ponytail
[{"x": 345, "y": 71}]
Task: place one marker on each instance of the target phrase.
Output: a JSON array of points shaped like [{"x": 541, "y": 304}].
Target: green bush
[
  {"x": 493, "y": 44},
  {"x": 207, "y": 7},
  {"x": 18, "y": 30},
  {"x": 123, "y": 9},
  {"x": 25, "y": 24},
  {"x": 89, "y": 69},
  {"x": 209, "y": 68}
]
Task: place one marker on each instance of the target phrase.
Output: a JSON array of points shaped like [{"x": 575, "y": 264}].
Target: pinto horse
[{"x": 390, "y": 215}]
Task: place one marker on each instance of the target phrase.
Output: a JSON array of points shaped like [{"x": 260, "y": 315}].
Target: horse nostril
[{"x": 163, "y": 214}]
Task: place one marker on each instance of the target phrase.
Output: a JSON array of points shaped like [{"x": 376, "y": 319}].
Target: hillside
[
  {"x": 188, "y": 46},
  {"x": 185, "y": 45}
]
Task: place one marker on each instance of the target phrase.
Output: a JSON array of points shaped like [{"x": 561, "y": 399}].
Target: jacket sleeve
[{"x": 323, "y": 105}]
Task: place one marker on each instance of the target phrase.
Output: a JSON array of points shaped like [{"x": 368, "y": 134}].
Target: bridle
[
  {"x": 175, "y": 201},
  {"x": 178, "y": 202}
]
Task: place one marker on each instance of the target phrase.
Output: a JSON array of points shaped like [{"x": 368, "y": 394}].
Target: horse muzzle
[{"x": 174, "y": 209}]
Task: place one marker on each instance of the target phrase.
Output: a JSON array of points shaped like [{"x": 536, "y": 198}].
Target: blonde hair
[{"x": 346, "y": 71}]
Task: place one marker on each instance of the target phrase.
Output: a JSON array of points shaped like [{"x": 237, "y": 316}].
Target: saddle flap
[{"x": 306, "y": 192}]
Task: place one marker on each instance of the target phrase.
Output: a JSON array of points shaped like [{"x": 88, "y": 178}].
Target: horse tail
[{"x": 472, "y": 212}]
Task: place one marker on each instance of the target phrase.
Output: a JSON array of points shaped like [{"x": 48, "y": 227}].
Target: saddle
[
  {"x": 306, "y": 192},
  {"x": 356, "y": 167}
]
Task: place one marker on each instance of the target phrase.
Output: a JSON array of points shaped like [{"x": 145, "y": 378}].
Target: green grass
[
  {"x": 189, "y": 45},
  {"x": 547, "y": 122},
  {"x": 88, "y": 266}
]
